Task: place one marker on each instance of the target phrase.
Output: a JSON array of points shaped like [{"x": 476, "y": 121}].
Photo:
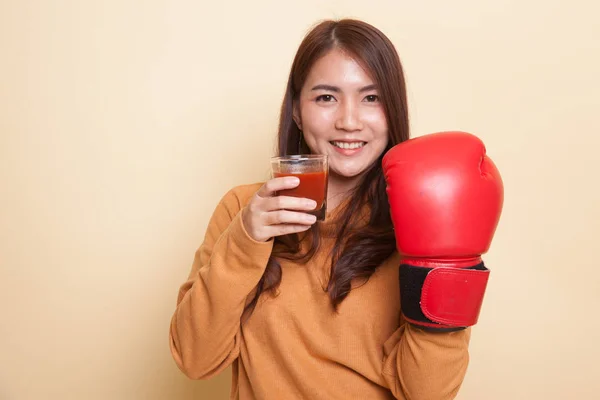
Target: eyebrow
[{"x": 336, "y": 89}]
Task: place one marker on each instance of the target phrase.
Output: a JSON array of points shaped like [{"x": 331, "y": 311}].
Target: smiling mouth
[{"x": 348, "y": 145}]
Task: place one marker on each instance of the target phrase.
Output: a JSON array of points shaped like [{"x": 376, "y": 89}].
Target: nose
[{"x": 348, "y": 118}]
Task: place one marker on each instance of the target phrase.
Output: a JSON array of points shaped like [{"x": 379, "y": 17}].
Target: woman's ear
[{"x": 296, "y": 115}]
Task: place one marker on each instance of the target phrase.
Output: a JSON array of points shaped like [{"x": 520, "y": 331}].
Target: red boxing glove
[{"x": 445, "y": 198}]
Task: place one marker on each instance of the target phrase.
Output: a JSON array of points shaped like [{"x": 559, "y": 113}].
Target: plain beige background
[{"x": 123, "y": 122}]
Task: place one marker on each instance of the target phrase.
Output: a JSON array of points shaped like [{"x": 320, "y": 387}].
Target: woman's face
[{"x": 340, "y": 115}]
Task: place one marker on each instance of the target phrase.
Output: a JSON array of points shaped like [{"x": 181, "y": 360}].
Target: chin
[{"x": 348, "y": 173}]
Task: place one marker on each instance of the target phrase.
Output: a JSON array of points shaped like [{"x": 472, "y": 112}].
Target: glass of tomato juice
[{"x": 313, "y": 172}]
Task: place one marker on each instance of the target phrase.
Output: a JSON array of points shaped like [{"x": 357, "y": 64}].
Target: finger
[
  {"x": 289, "y": 217},
  {"x": 276, "y": 184},
  {"x": 278, "y": 230},
  {"x": 289, "y": 203}
]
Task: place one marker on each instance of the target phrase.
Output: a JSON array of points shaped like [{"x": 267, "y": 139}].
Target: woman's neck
[{"x": 338, "y": 188}]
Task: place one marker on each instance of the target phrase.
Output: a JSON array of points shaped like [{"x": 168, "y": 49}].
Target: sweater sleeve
[
  {"x": 426, "y": 365},
  {"x": 205, "y": 327}
]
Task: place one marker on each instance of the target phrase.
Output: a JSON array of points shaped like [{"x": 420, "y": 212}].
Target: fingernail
[
  {"x": 311, "y": 218},
  {"x": 311, "y": 204},
  {"x": 294, "y": 181}
]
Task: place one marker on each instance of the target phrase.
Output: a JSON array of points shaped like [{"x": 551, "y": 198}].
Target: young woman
[{"x": 311, "y": 310}]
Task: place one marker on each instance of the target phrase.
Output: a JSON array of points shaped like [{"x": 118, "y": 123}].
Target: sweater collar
[{"x": 330, "y": 226}]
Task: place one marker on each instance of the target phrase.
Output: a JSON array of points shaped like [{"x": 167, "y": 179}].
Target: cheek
[
  {"x": 377, "y": 119},
  {"x": 379, "y": 127},
  {"x": 317, "y": 121}
]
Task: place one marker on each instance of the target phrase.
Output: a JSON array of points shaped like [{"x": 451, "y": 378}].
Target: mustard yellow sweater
[{"x": 294, "y": 346}]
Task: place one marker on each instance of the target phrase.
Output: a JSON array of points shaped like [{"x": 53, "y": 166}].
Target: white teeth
[{"x": 348, "y": 146}]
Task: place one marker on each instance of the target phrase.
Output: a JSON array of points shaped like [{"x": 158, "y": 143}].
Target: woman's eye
[
  {"x": 325, "y": 98},
  {"x": 372, "y": 98}
]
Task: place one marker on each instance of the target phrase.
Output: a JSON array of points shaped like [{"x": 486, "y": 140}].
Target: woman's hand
[{"x": 268, "y": 215}]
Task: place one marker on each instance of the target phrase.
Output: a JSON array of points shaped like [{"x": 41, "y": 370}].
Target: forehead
[{"x": 339, "y": 69}]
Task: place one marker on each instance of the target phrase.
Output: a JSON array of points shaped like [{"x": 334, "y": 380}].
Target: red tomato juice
[{"x": 313, "y": 185}]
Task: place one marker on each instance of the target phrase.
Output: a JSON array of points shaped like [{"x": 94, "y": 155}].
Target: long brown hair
[{"x": 356, "y": 252}]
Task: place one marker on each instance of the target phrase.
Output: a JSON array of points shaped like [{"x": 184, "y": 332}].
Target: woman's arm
[
  {"x": 204, "y": 333},
  {"x": 422, "y": 365}
]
